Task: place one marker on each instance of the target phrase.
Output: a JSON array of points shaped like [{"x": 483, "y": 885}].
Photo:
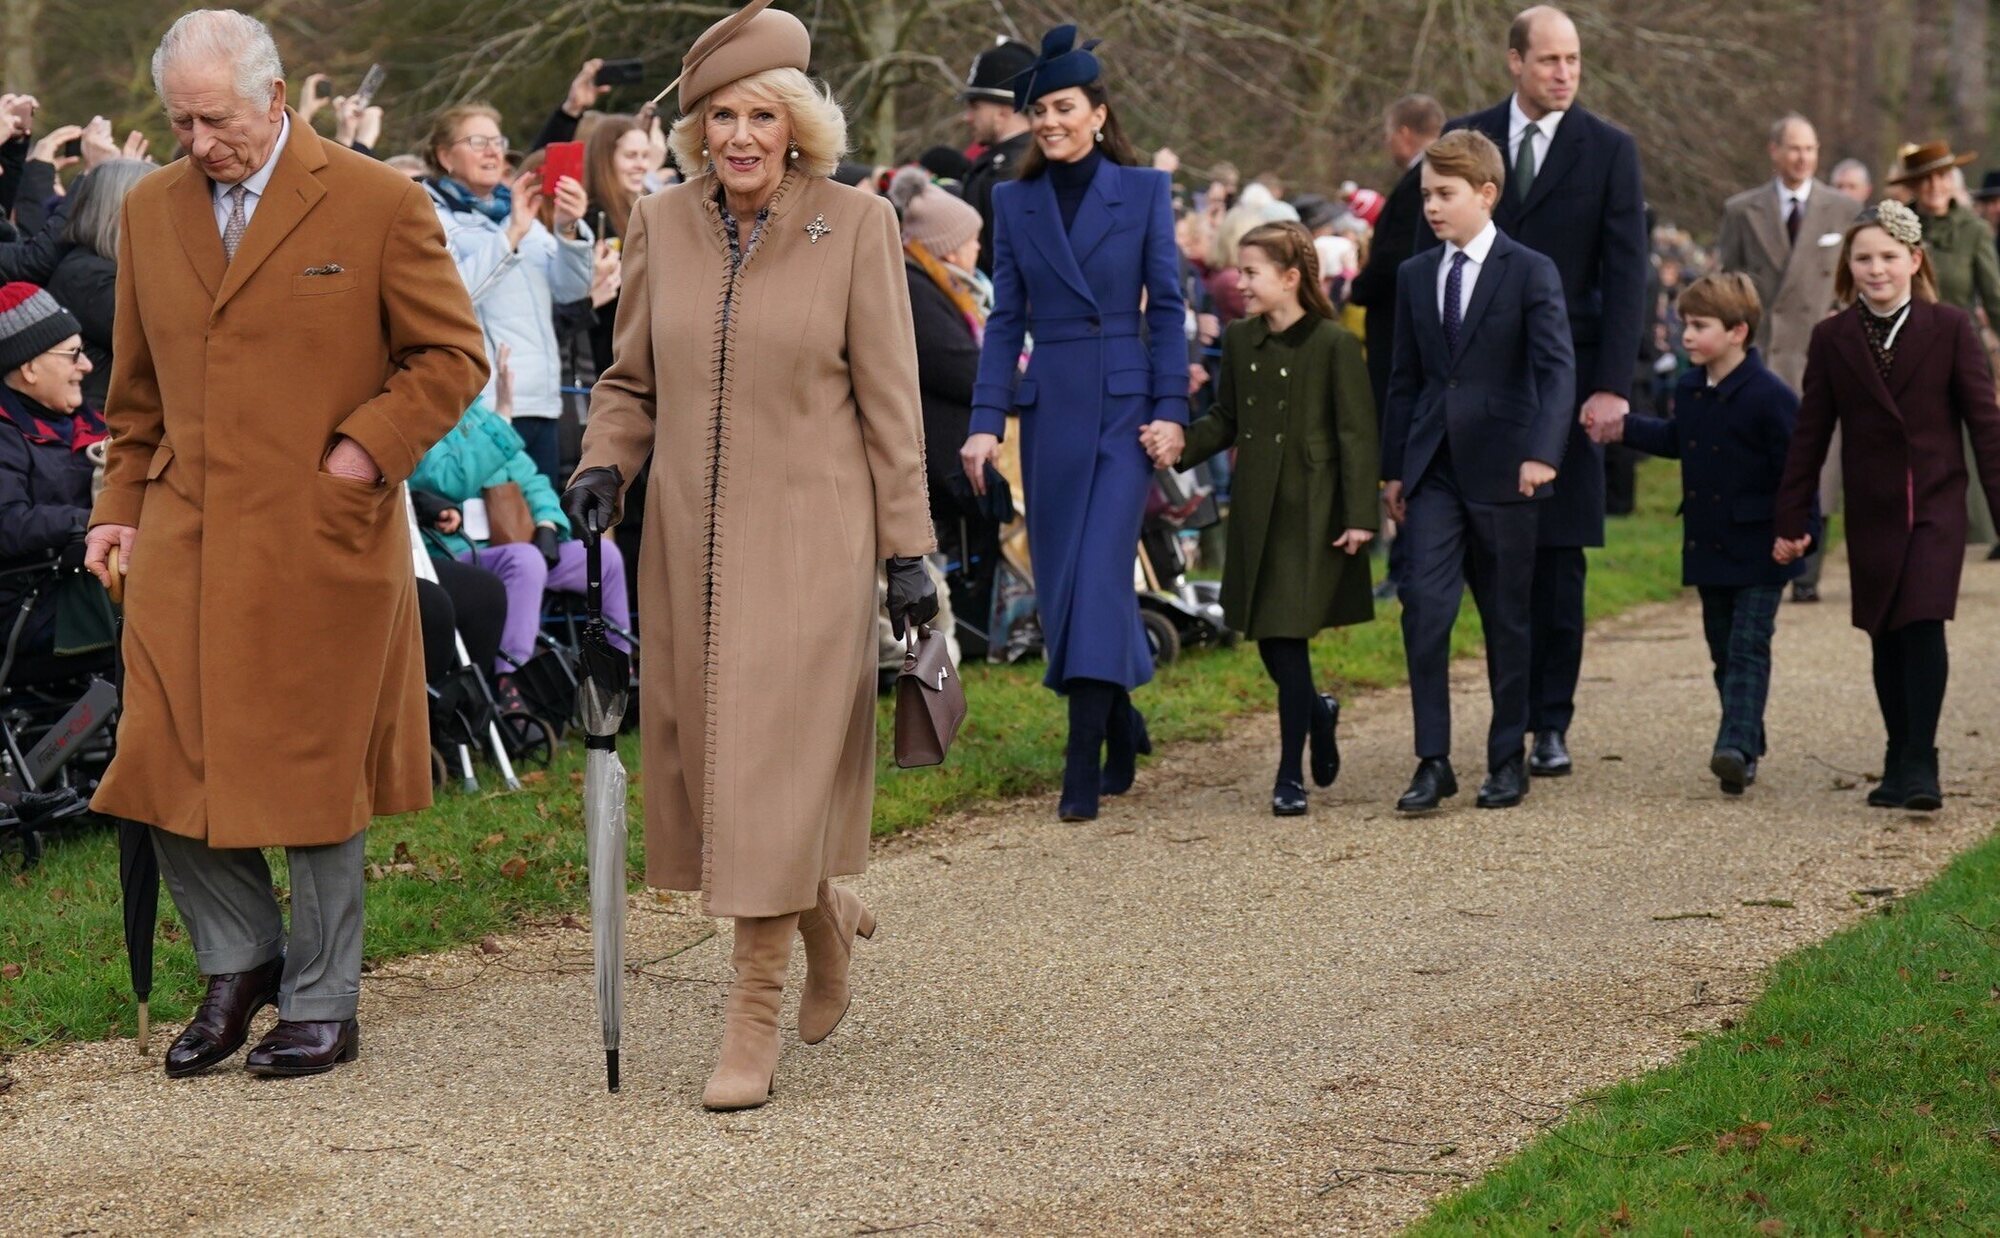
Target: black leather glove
[
  {"x": 591, "y": 499},
  {"x": 549, "y": 543},
  {"x": 913, "y": 599}
]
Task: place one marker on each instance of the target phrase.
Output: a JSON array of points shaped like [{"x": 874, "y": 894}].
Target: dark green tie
[{"x": 1524, "y": 163}]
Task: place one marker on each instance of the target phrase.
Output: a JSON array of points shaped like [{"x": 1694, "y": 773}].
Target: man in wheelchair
[{"x": 46, "y": 433}]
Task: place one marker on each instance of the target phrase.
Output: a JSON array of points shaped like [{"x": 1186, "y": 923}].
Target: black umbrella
[
  {"x": 138, "y": 864},
  {"x": 603, "y": 692}
]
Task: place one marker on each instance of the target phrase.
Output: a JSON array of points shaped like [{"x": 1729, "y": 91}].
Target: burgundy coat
[{"x": 1902, "y": 457}]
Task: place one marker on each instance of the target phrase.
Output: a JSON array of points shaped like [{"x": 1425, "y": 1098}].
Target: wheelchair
[{"x": 56, "y": 730}]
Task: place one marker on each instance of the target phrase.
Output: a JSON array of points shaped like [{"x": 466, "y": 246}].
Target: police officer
[{"x": 990, "y": 115}]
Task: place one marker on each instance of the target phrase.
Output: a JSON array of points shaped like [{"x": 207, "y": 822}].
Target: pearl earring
[
  {"x": 1098, "y": 134},
  {"x": 704, "y": 152},
  {"x": 794, "y": 154}
]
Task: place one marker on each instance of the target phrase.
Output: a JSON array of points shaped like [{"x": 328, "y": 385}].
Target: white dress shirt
[
  {"x": 1518, "y": 125},
  {"x": 1475, "y": 252},
  {"x": 254, "y": 183}
]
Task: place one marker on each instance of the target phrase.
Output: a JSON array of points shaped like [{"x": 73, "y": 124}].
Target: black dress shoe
[
  {"x": 1288, "y": 799},
  {"x": 1551, "y": 756},
  {"x": 1732, "y": 769},
  {"x": 1432, "y": 784},
  {"x": 222, "y": 1023},
  {"x": 1326, "y": 741},
  {"x": 1750, "y": 773},
  {"x": 1805, "y": 593},
  {"x": 1504, "y": 787},
  {"x": 292, "y": 1049}
]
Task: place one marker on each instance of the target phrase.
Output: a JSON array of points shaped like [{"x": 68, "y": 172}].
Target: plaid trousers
[{"x": 1738, "y": 623}]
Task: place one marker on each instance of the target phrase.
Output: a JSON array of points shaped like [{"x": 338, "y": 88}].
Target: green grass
[
  {"x": 1860, "y": 1094},
  {"x": 479, "y": 864}
]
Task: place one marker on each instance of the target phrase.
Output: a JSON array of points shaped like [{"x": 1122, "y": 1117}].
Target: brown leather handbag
[
  {"x": 930, "y": 701},
  {"x": 508, "y": 519}
]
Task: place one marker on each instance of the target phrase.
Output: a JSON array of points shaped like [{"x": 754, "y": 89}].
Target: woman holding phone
[{"x": 516, "y": 267}]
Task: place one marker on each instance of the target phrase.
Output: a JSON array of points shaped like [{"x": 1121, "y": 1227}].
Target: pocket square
[
  {"x": 1828, "y": 239},
  {"x": 331, "y": 268}
]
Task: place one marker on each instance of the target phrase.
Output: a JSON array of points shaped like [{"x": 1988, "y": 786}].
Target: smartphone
[
  {"x": 370, "y": 83},
  {"x": 73, "y": 149},
  {"x": 621, "y": 72},
  {"x": 563, "y": 159}
]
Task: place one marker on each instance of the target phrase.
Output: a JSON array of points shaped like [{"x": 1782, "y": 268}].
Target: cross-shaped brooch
[{"x": 817, "y": 228}]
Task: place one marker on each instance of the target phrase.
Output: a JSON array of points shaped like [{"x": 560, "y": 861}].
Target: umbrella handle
[
  {"x": 114, "y": 577},
  {"x": 593, "y": 556}
]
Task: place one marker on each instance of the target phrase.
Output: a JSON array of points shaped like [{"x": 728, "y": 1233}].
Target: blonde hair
[
  {"x": 1728, "y": 297},
  {"x": 444, "y": 130},
  {"x": 819, "y": 127}
]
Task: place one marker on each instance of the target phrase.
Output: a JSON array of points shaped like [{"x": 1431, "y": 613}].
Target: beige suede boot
[
  {"x": 747, "y": 1071},
  {"x": 829, "y": 930}
]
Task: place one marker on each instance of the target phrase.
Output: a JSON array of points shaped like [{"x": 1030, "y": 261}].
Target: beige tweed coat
[{"x": 780, "y": 407}]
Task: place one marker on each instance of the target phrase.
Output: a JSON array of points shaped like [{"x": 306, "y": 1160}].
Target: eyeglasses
[
  {"x": 75, "y": 355},
  {"x": 482, "y": 141}
]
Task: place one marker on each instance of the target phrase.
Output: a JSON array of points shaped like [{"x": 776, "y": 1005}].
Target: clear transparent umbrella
[{"x": 603, "y": 695}]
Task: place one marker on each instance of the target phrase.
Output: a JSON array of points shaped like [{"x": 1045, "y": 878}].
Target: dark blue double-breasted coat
[{"x": 1103, "y": 305}]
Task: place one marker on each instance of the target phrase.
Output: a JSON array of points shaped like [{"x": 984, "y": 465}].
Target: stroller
[
  {"x": 1177, "y": 613},
  {"x": 55, "y": 732}
]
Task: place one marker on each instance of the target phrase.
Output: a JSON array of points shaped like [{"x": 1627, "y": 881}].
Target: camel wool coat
[
  {"x": 274, "y": 691},
  {"x": 781, "y": 406}
]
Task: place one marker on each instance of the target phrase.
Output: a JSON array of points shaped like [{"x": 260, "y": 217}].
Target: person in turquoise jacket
[{"x": 484, "y": 450}]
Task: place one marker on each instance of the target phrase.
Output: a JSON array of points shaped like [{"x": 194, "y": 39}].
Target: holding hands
[
  {"x": 1163, "y": 441},
  {"x": 1603, "y": 417},
  {"x": 1790, "y": 549}
]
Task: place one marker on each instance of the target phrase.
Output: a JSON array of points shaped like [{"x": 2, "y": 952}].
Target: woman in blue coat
[{"x": 1084, "y": 261}]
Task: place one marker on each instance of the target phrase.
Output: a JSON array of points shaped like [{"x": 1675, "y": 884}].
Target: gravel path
[{"x": 1185, "y": 1016}]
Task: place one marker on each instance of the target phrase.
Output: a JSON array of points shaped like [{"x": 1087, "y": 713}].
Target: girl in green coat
[{"x": 1293, "y": 399}]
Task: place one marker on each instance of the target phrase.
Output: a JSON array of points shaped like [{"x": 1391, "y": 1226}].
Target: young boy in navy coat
[
  {"x": 1731, "y": 428},
  {"x": 1481, "y": 392}
]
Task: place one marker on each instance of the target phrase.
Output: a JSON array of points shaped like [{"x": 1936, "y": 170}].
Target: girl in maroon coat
[{"x": 1900, "y": 375}]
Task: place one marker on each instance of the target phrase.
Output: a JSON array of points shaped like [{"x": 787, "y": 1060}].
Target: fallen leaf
[
  {"x": 1771, "y": 1225},
  {"x": 573, "y": 922},
  {"x": 402, "y": 853},
  {"x": 1622, "y": 1217},
  {"x": 1946, "y": 977},
  {"x": 534, "y": 778},
  {"x": 1923, "y": 1110},
  {"x": 514, "y": 869},
  {"x": 489, "y": 842},
  {"x": 1756, "y": 1197},
  {"x": 10, "y": 971},
  {"x": 489, "y": 944},
  {"x": 1745, "y": 1138}
]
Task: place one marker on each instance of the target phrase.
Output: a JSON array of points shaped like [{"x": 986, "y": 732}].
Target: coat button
[
  {"x": 1692, "y": 443},
  {"x": 1452, "y": 383},
  {"x": 1281, "y": 406},
  {"x": 1284, "y": 373},
  {"x": 1253, "y": 367},
  {"x": 1277, "y": 438},
  {"x": 1251, "y": 402}
]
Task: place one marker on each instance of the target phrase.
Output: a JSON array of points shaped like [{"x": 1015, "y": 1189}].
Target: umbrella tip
[
  {"x": 145, "y": 1028},
  {"x": 611, "y": 1068}
]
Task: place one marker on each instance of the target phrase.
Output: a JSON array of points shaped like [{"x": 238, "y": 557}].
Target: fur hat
[{"x": 751, "y": 40}]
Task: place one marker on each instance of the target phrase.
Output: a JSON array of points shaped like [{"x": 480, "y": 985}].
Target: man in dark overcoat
[
  {"x": 990, "y": 115},
  {"x": 1573, "y": 194}
]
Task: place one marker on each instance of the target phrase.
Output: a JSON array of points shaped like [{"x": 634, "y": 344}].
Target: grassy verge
[
  {"x": 479, "y": 864},
  {"x": 1859, "y": 1095}
]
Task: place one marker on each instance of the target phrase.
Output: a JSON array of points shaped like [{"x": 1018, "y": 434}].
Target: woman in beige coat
[{"x": 765, "y": 358}]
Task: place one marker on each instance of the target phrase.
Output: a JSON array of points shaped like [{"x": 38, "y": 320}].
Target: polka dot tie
[{"x": 232, "y": 232}]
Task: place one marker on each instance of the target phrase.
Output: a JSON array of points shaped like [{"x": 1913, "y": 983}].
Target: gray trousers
[{"x": 225, "y": 898}]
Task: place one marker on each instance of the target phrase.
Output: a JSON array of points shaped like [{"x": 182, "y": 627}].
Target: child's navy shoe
[{"x": 1732, "y": 769}]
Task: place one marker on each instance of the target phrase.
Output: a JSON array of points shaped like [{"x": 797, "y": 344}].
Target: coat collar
[
  {"x": 1064, "y": 249},
  {"x": 1257, "y": 332},
  {"x": 791, "y": 188},
  {"x": 1496, "y": 123},
  {"x": 1913, "y": 346},
  {"x": 290, "y": 194},
  {"x": 1696, "y": 379}
]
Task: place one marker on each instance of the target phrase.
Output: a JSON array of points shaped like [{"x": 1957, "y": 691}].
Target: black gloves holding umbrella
[{"x": 593, "y": 496}]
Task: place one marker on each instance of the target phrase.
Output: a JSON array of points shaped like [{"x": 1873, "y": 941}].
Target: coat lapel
[
  {"x": 1860, "y": 358},
  {"x": 1493, "y": 270},
  {"x": 192, "y": 204},
  {"x": 1913, "y": 345},
  {"x": 1767, "y": 223},
  {"x": 290, "y": 194},
  {"x": 1046, "y": 233},
  {"x": 1098, "y": 212},
  {"x": 1428, "y": 319},
  {"x": 1563, "y": 150}
]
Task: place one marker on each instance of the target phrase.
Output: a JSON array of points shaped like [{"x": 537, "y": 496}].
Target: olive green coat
[
  {"x": 1959, "y": 247},
  {"x": 1298, "y": 409}
]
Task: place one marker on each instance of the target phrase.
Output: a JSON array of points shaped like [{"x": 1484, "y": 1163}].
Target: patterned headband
[{"x": 1898, "y": 221}]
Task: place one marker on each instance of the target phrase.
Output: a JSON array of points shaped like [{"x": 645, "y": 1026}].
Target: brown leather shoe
[
  {"x": 293, "y": 1048},
  {"x": 222, "y": 1023}
]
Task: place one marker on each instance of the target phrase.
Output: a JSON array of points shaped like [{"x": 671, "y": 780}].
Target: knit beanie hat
[
  {"x": 939, "y": 221},
  {"x": 31, "y": 323}
]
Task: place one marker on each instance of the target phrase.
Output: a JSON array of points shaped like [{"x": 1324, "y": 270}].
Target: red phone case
[{"x": 564, "y": 159}]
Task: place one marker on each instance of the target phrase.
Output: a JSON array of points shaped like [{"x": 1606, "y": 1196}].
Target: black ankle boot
[
  {"x": 1083, "y": 780},
  {"x": 1920, "y": 788},
  {"x": 1125, "y": 741},
  {"x": 1894, "y": 787}
]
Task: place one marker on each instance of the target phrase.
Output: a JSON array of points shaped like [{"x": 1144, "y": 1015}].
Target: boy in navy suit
[
  {"x": 1731, "y": 428},
  {"x": 1480, "y": 400}
]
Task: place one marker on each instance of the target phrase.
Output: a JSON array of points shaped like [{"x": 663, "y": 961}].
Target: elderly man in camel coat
[{"x": 291, "y": 337}]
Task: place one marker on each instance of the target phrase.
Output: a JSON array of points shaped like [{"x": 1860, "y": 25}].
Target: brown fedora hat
[{"x": 1916, "y": 160}]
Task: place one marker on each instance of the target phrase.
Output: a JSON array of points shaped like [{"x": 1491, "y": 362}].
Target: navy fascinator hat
[{"x": 1061, "y": 65}]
